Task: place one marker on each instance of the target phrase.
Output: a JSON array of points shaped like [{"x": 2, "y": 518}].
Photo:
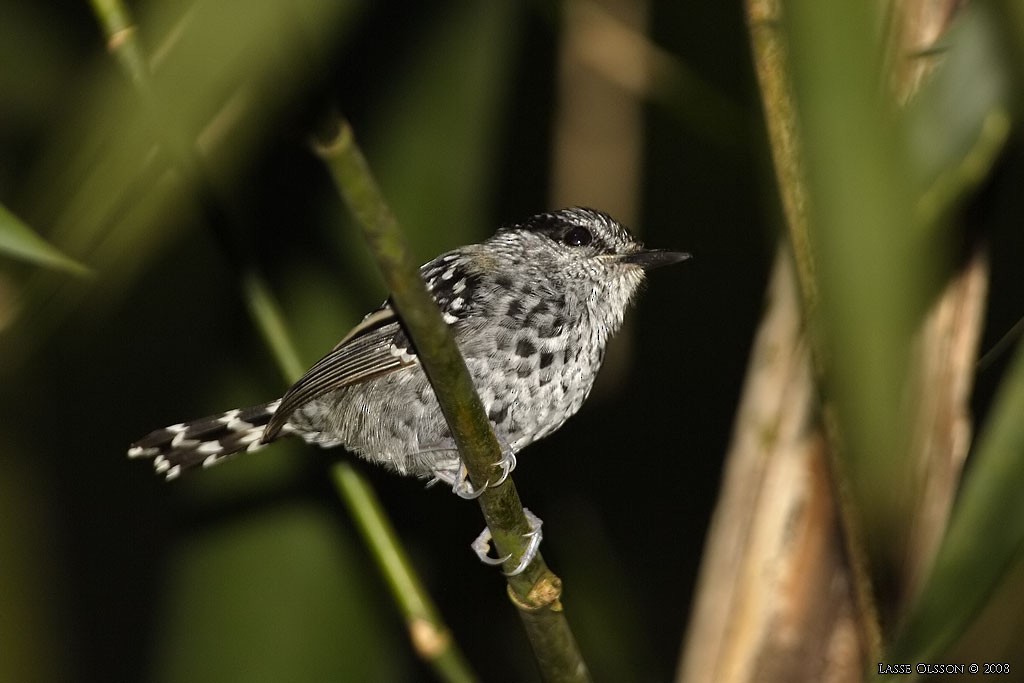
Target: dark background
[{"x": 253, "y": 570}]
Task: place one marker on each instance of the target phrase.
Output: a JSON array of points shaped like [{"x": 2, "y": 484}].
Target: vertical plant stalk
[
  {"x": 748, "y": 621},
  {"x": 781, "y": 595},
  {"x": 536, "y": 591},
  {"x": 775, "y": 598},
  {"x": 770, "y": 59},
  {"x": 430, "y": 636}
]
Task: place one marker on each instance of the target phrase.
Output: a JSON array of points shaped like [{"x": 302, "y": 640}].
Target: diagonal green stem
[
  {"x": 537, "y": 590},
  {"x": 430, "y": 636},
  {"x": 123, "y": 42}
]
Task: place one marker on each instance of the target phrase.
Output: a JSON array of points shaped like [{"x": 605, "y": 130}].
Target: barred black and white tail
[{"x": 205, "y": 442}]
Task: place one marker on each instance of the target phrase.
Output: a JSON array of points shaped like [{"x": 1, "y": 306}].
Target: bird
[{"x": 531, "y": 309}]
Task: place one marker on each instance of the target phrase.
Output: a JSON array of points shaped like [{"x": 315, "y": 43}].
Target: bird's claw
[
  {"x": 507, "y": 464},
  {"x": 463, "y": 487},
  {"x": 482, "y": 545}
]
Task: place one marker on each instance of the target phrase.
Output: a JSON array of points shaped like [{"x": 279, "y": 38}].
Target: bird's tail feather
[{"x": 206, "y": 441}]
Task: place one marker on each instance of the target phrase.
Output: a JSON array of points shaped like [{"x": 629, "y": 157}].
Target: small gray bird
[{"x": 531, "y": 308}]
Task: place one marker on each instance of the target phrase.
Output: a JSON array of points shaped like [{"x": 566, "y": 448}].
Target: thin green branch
[
  {"x": 123, "y": 42},
  {"x": 270, "y": 322},
  {"x": 536, "y": 592},
  {"x": 429, "y": 634},
  {"x": 770, "y": 55}
]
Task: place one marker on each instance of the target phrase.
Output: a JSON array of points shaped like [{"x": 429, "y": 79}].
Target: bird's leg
[{"x": 482, "y": 545}]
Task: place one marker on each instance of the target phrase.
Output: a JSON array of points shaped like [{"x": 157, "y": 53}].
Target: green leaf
[
  {"x": 985, "y": 535},
  {"x": 870, "y": 269},
  {"x": 18, "y": 240},
  {"x": 960, "y": 121}
]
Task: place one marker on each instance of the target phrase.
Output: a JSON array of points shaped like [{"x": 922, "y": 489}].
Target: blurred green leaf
[
  {"x": 871, "y": 269},
  {"x": 18, "y": 240},
  {"x": 985, "y": 535},
  {"x": 959, "y": 121},
  {"x": 222, "y": 74}
]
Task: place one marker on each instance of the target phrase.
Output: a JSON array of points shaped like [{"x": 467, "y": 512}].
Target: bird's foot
[
  {"x": 457, "y": 476},
  {"x": 482, "y": 546}
]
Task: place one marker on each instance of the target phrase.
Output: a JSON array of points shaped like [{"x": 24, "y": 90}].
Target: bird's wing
[{"x": 378, "y": 345}]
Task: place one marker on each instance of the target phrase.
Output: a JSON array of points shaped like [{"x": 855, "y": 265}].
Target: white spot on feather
[{"x": 237, "y": 425}]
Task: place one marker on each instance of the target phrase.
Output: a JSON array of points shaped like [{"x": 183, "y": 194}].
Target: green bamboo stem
[
  {"x": 270, "y": 322},
  {"x": 122, "y": 42},
  {"x": 430, "y": 636},
  {"x": 427, "y": 630},
  {"x": 535, "y": 592}
]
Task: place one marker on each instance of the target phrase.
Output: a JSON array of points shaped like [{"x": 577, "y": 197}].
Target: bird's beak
[{"x": 654, "y": 258}]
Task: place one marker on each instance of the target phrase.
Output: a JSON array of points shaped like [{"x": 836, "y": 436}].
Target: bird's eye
[{"x": 578, "y": 237}]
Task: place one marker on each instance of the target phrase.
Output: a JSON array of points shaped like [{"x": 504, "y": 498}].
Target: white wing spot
[
  {"x": 459, "y": 286},
  {"x": 174, "y": 472},
  {"x": 177, "y": 429},
  {"x": 449, "y": 318},
  {"x": 211, "y": 460},
  {"x": 228, "y": 416},
  {"x": 448, "y": 274},
  {"x": 403, "y": 354},
  {"x": 273, "y": 406},
  {"x": 457, "y": 303},
  {"x": 161, "y": 464}
]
